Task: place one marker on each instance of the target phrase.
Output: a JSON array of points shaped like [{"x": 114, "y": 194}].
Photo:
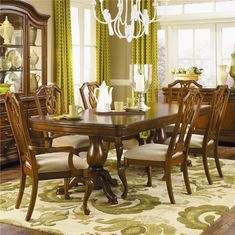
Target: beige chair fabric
[
  {"x": 149, "y": 152},
  {"x": 58, "y": 161},
  {"x": 75, "y": 141}
]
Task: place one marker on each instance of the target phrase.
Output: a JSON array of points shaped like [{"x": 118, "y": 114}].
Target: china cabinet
[{"x": 23, "y": 62}]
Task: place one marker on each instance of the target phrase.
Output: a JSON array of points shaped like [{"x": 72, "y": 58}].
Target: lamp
[
  {"x": 142, "y": 19},
  {"x": 141, "y": 79}
]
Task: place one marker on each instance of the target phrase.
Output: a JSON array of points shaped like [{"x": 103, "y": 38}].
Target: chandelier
[{"x": 124, "y": 26}]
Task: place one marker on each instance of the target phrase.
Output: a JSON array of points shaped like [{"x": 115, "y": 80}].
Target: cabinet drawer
[
  {"x": 4, "y": 121},
  {"x": 6, "y": 133}
]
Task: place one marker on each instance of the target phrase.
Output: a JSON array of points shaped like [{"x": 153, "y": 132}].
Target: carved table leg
[
  {"x": 96, "y": 158},
  {"x": 119, "y": 151}
]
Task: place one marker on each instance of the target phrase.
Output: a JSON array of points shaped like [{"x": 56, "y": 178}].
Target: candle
[{"x": 139, "y": 83}]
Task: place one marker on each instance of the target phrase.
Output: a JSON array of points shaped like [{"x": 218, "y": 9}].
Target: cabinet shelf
[{"x": 11, "y": 46}]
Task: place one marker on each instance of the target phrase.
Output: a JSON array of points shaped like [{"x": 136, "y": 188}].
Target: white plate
[
  {"x": 12, "y": 78},
  {"x": 15, "y": 58}
]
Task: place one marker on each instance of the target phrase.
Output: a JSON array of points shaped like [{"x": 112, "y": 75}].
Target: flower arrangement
[{"x": 190, "y": 70}]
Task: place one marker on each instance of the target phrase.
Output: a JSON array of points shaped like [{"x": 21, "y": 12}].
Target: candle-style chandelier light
[{"x": 123, "y": 25}]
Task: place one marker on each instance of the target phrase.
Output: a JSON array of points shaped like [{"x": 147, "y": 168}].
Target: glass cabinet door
[
  {"x": 35, "y": 45},
  {"x": 11, "y": 51}
]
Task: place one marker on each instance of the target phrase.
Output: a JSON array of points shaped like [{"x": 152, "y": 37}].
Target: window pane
[
  {"x": 225, "y": 6},
  {"x": 75, "y": 25},
  {"x": 87, "y": 27},
  {"x": 228, "y": 41},
  {"x": 185, "y": 43},
  {"x": 89, "y": 64},
  {"x": 202, "y": 43},
  {"x": 197, "y": 8},
  {"x": 76, "y": 64},
  {"x": 206, "y": 78},
  {"x": 171, "y": 10}
]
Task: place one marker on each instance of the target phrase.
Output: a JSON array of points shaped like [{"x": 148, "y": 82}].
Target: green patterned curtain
[
  {"x": 63, "y": 50},
  {"x": 144, "y": 51},
  {"x": 102, "y": 48}
]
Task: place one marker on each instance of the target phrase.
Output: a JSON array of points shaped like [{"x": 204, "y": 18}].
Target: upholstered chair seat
[
  {"x": 57, "y": 162},
  {"x": 76, "y": 141},
  {"x": 149, "y": 152},
  {"x": 197, "y": 141}
]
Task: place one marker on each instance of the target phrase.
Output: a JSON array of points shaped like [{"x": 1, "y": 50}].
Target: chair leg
[
  {"x": 32, "y": 199},
  {"x": 21, "y": 190},
  {"x": 184, "y": 168},
  {"x": 66, "y": 188},
  {"x": 149, "y": 173},
  {"x": 206, "y": 168},
  {"x": 89, "y": 185},
  {"x": 122, "y": 176},
  {"x": 169, "y": 185},
  {"x": 216, "y": 157}
]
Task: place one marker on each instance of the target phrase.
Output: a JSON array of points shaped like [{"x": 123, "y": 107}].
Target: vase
[
  {"x": 222, "y": 74},
  {"x": 32, "y": 36},
  {"x": 232, "y": 67},
  {"x": 33, "y": 59},
  {"x": 6, "y": 31}
]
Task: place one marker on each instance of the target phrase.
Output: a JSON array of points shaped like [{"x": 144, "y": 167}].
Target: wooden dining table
[{"x": 99, "y": 126}]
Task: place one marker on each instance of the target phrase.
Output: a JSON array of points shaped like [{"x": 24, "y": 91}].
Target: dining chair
[
  {"x": 183, "y": 87},
  {"x": 89, "y": 102},
  {"x": 40, "y": 163},
  {"x": 203, "y": 144},
  {"x": 166, "y": 156},
  {"x": 46, "y": 102}
]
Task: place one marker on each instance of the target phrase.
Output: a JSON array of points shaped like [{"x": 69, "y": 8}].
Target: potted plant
[{"x": 190, "y": 73}]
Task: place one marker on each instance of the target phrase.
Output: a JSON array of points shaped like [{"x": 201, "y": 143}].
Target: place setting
[{"x": 73, "y": 115}]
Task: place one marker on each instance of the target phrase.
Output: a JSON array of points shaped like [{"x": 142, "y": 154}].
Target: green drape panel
[
  {"x": 63, "y": 50},
  {"x": 144, "y": 51},
  {"x": 102, "y": 48}
]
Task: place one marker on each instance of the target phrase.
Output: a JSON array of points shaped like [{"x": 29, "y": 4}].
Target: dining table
[{"x": 114, "y": 125}]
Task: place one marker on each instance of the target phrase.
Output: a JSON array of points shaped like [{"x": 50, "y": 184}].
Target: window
[
  {"x": 201, "y": 40},
  {"x": 84, "y": 48}
]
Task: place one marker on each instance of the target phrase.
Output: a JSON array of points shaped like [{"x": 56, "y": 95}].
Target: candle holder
[{"x": 141, "y": 79}]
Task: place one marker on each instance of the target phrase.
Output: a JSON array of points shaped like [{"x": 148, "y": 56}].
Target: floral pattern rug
[{"x": 146, "y": 210}]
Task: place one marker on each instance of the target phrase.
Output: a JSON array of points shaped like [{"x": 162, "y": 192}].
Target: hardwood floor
[{"x": 224, "y": 226}]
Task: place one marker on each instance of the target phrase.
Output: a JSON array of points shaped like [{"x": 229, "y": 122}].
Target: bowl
[{"x": 4, "y": 88}]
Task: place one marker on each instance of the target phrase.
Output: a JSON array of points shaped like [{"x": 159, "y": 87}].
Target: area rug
[{"x": 146, "y": 210}]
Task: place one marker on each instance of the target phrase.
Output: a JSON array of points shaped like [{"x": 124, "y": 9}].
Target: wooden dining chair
[
  {"x": 203, "y": 144},
  {"x": 89, "y": 102},
  {"x": 174, "y": 96},
  {"x": 47, "y": 104},
  {"x": 87, "y": 94},
  {"x": 183, "y": 87},
  {"x": 40, "y": 163},
  {"x": 160, "y": 155}
]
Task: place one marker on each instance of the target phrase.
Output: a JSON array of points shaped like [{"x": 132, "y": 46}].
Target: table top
[{"x": 111, "y": 125}]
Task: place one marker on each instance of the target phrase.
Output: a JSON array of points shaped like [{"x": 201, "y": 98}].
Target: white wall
[{"x": 46, "y": 7}]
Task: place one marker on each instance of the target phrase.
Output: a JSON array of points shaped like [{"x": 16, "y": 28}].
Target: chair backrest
[
  {"x": 188, "y": 111},
  {"x": 87, "y": 94},
  {"x": 218, "y": 106},
  {"x": 18, "y": 124},
  {"x": 183, "y": 88},
  {"x": 53, "y": 97}
]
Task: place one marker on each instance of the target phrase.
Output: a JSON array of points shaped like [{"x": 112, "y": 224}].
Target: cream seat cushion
[
  {"x": 76, "y": 141},
  {"x": 150, "y": 152},
  {"x": 195, "y": 142},
  {"x": 58, "y": 161}
]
